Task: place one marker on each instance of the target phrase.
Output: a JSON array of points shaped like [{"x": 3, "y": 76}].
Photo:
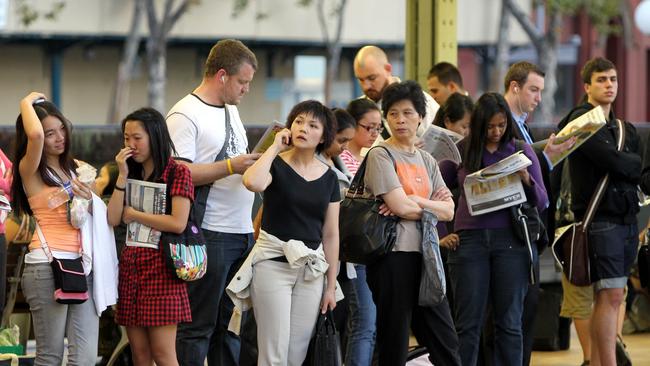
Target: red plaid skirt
[{"x": 149, "y": 294}]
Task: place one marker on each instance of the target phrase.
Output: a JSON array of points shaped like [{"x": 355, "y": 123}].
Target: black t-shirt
[{"x": 295, "y": 208}]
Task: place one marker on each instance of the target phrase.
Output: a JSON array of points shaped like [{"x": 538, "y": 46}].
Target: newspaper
[
  {"x": 268, "y": 137},
  {"x": 4, "y": 203},
  {"x": 582, "y": 127},
  {"x": 496, "y": 186},
  {"x": 441, "y": 143},
  {"x": 147, "y": 197}
]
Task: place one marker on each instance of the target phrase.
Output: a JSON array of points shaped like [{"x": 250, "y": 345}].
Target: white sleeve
[
  {"x": 431, "y": 108},
  {"x": 183, "y": 132}
]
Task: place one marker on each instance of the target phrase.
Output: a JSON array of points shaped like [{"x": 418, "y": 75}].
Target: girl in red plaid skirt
[{"x": 152, "y": 301}]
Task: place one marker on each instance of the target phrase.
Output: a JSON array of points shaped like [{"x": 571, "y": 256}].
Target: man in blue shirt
[{"x": 524, "y": 83}]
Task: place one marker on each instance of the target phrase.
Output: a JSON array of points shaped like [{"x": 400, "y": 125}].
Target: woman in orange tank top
[{"x": 44, "y": 164}]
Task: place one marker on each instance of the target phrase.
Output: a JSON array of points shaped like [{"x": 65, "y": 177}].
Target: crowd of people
[{"x": 289, "y": 271}]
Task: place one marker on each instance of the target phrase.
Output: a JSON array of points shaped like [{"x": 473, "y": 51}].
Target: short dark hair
[
  {"x": 43, "y": 109},
  {"x": 519, "y": 72},
  {"x": 230, "y": 55},
  {"x": 598, "y": 64},
  {"x": 359, "y": 107},
  {"x": 446, "y": 73},
  {"x": 160, "y": 143},
  {"x": 454, "y": 109},
  {"x": 405, "y": 90},
  {"x": 319, "y": 112},
  {"x": 487, "y": 106},
  {"x": 343, "y": 119}
]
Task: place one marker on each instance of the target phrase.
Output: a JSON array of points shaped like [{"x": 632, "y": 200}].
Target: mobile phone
[{"x": 39, "y": 100}]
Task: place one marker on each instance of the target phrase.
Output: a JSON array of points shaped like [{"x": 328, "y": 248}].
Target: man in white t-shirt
[
  {"x": 210, "y": 138},
  {"x": 374, "y": 73}
]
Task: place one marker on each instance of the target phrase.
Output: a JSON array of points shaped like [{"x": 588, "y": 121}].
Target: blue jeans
[
  {"x": 490, "y": 263},
  {"x": 361, "y": 320},
  {"x": 207, "y": 335}
]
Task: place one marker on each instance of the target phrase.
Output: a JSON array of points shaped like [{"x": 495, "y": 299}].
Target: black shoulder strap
[
  {"x": 357, "y": 186},
  {"x": 171, "y": 176},
  {"x": 222, "y": 153}
]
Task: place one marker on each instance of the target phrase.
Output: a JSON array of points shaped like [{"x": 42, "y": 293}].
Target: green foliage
[
  {"x": 600, "y": 12},
  {"x": 29, "y": 14}
]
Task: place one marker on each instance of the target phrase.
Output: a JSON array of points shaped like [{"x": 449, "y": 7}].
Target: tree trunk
[
  {"x": 157, "y": 55},
  {"x": 501, "y": 61},
  {"x": 333, "y": 45},
  {"x": 547, "y": 54},
  {"x": 120, "y": 97}
]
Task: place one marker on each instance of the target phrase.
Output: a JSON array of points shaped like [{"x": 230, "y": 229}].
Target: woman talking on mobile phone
[{"x": 291, "y": 270}]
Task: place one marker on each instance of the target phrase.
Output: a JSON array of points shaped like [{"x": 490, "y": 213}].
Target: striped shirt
[{"x": 350, "y": 162}]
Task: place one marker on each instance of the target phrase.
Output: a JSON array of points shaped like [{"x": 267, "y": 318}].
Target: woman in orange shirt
[{"x": 44, "y": 165}]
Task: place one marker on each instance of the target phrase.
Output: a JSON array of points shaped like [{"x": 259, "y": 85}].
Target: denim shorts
[{"x": 612, "y": 249}]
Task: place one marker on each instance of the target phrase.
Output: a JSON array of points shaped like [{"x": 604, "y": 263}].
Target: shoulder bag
[
  {"x": 325, "y": 346},
  {"x": 70, "y": 285},
  {"x": 365, "y": 235},
  {"x": 571, "y": 247},
  {"x": 185, "y": 253}
]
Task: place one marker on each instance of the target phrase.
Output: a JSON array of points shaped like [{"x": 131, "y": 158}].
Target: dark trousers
[
  {"x": 395, "y": 281},
  {"x": 528, "y": 317},
  {"x": 207, "y": 335}
]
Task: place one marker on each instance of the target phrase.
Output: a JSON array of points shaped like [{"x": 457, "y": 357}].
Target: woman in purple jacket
[{"x": 490, "y": 263}]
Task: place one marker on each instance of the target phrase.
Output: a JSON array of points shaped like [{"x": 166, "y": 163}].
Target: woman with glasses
[{"x": 369, "y": 127}]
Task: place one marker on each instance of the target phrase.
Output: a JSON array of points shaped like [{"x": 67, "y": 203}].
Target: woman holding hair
[
  {"x": 43, "y": 138},
  {"x": 490, "y": 262},
  {"x": 408, "y": 180},
  {"x": 152, "y": 301},
  {"x": 294, "y": 261},
  {"x": 369, "y": 127}
]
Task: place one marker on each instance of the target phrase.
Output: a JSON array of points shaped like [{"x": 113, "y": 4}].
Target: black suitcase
[{"x": 552, "y": 332}]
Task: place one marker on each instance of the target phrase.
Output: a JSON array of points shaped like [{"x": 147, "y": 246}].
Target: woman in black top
[{"x": 301, "y": 203}]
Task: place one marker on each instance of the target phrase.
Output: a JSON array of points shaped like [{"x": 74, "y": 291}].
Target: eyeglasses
[{"x": 371, "y": 129}]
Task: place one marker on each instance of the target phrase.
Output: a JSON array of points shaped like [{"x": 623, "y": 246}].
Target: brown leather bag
[{"x": 571, "y": 247}]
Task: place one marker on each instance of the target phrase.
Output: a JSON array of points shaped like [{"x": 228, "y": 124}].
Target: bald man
[{"x": 374, "y": 72}]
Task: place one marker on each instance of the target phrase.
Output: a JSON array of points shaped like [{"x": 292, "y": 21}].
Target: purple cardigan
[{"x": 500, "y": 219}]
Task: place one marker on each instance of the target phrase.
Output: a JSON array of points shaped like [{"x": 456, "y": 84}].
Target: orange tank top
[{"x": 58, "y": 232}]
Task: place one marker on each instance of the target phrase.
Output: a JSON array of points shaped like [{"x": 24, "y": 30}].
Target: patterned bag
[{"x": 185, "y": 253}]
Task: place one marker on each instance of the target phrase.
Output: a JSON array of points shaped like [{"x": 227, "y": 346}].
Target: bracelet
[
  {"x": 119, "y": 188},
  {"x": 229, "y": 165}
]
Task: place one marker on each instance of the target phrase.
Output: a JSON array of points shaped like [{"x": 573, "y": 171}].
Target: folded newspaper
[
  {"x": 147, "y": 197},
  {"x": 441, "y": 143},
  {"x": 268, "y": 137},
  {"x": 582, "y": 128},
  {"x": 496, "y": 186},
  {"x": 4, "y": 203}
]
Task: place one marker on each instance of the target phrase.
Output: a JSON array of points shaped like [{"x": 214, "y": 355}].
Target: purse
[
  {"x": 70, "y": 286},
  {"x": 571, "y": 246},
  {"x": 325, "y": 345},
  {"x": 185, "y": 253},
  {"x": 365, "y": 235}
]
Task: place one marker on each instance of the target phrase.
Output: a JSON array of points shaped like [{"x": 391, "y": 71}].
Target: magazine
[
  {"x": 268, "y": 137},
  {"x": 496, "y": 186},
  {"x": 441, "y": 143},
  {"x": 147, "y": 197},
  {"x": 582, "y": 127}
]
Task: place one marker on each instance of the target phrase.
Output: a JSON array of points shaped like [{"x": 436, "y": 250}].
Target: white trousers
[{"x": 286, "y": 308}]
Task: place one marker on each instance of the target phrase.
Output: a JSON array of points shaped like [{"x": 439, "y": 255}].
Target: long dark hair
[
  {"x": 160, "y": 143},
  {"x": 44, "y": 109},
  {"x": 487, "y": 106},
  {"x": 454, "y": 109}
]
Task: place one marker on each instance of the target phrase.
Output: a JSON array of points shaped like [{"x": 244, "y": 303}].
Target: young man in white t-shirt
[{"x": 210, "y": 138}]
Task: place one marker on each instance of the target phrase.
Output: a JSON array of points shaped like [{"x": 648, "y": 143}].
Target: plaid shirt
[{"x": 182, "y": 185}]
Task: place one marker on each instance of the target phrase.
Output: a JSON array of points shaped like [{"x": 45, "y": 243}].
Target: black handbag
[
  {"x": 70, "y": 286},
  {"x": 325, "y": 345},
  {"x": 644, "y": 265},
  {"x": 365, "y": 235},
  {"x": 185, "y": 253}
]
